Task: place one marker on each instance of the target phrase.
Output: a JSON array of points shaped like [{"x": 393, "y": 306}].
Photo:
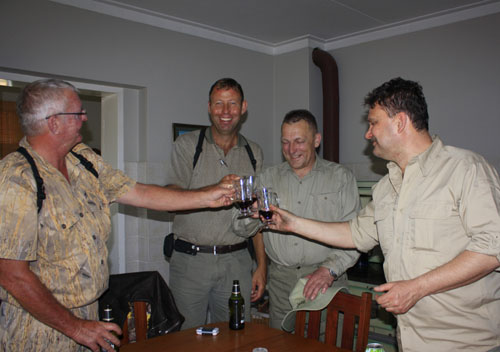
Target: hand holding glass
[
  {"x": 265, "y": 198},
  {"x": 244, "y": 188}
]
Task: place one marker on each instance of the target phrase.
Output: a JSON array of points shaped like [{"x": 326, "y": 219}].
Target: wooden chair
[
  {"x": 355, "y": 309},
  {"x": 141, "y": 324}
]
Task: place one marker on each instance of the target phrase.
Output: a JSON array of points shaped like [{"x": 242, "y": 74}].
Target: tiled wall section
[{"x": 146, "y": 229}]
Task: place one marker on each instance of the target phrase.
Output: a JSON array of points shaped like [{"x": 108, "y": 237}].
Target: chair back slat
[
  {"x": 356, "y": 312},
  {"x": 332, "y": 325},
  {"x": 313, "y": 325}
]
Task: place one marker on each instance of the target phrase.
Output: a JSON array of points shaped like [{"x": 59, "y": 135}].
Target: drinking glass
[
  {"x": 244, "y": 199},
  {"x": 265, "y": 198}
]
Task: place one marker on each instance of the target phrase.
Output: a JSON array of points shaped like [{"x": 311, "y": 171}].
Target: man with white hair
[{"x": 55, "y": 195}]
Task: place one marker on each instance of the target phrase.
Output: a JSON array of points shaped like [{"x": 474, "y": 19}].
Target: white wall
[{"x": 458, "y": 67}]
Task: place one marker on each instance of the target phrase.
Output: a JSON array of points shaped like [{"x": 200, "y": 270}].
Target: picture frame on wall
[{"x": 181, "y": 128}]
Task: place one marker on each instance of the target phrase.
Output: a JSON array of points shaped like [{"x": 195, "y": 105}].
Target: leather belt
[{"x": 193, "y": 249}]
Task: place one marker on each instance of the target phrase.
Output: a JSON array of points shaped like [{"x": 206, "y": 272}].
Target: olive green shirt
[
  {"x": 208, "y": 226},
  {"x": 447, "y": 202}
]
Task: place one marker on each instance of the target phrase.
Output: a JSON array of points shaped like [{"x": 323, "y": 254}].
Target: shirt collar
[
  {"x": 424, "y": 160},
  {"x": 319, "y": 164},
  {"x": 210, "y": 139},
  {"x": 69, "y": 157}
]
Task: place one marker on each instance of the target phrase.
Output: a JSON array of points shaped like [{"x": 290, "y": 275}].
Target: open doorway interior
[{"x": 10, "y": 129}]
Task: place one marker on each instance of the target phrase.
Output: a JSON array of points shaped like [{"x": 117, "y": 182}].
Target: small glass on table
[
  {"x": 245, "y": 195},
  {"x": 265, "y": 198}
]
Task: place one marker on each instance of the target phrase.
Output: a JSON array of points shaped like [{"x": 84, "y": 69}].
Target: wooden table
[{"x": 253, "y": 335}]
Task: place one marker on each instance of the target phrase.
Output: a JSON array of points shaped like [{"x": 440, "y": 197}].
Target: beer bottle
[
  {"x": 108, "y": 317},
  {"x": 236, "y": 308}
]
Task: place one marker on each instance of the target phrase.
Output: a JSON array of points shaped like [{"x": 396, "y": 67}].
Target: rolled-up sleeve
[{"x": 480, "y": 209}]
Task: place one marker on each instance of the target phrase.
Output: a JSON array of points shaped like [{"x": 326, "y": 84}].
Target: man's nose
[{"x": 368, "y": 134}]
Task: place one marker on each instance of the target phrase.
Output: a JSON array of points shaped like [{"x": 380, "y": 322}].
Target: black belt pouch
[{"x": 168, "y": 245}]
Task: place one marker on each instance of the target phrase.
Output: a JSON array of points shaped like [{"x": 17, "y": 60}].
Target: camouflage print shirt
[{"x": 66, "y": 242}]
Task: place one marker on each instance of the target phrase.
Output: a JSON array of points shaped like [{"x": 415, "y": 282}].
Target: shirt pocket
[
  {"x": 326, "y": 206},
  {"x": 428, "y": 224}
]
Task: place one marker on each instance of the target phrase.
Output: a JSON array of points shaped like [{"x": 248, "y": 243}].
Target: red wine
[
  {"x": 244, "y": 205},
  {"x": 266, "y": 214}
]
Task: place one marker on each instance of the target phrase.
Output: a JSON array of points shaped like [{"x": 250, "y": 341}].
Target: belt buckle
[{"x": 215, "y": 250}]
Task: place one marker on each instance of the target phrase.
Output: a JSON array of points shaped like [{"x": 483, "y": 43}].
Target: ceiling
[{"x": 276, "y": 26}]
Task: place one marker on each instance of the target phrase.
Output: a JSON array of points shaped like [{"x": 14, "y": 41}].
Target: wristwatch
[{"x": 333, "y": 274}]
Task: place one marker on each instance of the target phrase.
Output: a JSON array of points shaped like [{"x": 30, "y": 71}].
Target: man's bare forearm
[
  {"x": 467, "y": 267},
  {"x": 28, "y": 290},
  {"x": 175, "y": 198},
  {"x": 336, "y": 234}
]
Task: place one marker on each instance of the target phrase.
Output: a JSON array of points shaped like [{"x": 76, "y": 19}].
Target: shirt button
[
  {"x": 63, "y": 226},
  {"x": 81, "y": 215},
  {"x": 94, "y": 237},
  {"x": 295, "y": 244},
  {"x": 299, "y": 202},
  {"x": 102, "y": 261}
]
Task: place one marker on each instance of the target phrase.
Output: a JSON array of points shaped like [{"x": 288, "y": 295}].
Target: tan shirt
[
  {"x": 66, "y": 242},
  {"x": 210, "y": 226},
  {"x": 447, "y": 202},
  {"x": 327, "y": 193}
]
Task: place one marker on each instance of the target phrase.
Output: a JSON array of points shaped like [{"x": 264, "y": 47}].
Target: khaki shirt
[
  {"x": 447, "y": 202},
  {"x": 66, "y": 242},
  {"x": 208, "y": 226},
  {"x": 327, "y": 193}
]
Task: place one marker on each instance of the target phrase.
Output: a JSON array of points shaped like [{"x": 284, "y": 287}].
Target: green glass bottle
[
  {"x": 236, "y": 308},
  {"x": 108, "y": 317}
]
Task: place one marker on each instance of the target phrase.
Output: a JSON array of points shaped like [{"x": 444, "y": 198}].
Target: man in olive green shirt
[
  {"x": 314, "y": 188},
  {"x": 436, "y": 217},
  {"x": 208, "y": 255}
]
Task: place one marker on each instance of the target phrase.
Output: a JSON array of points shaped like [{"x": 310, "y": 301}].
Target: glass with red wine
[
  {"x": 265, "y": 198},
  {"x": 245, "y": 195}
]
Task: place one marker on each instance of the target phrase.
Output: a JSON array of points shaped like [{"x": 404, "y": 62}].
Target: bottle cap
[{"x": 108, "y": 315}]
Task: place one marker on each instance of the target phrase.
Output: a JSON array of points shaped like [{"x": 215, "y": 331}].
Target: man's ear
[
  {"x": 54, "y": 125},
  {"x": 402, "y": 121},
  {"x": 317, "y": 140},
  {"x": 244, "y": 107}
]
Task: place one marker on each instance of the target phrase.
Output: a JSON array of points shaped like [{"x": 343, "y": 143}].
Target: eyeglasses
[{"x": 77, "y": 115}]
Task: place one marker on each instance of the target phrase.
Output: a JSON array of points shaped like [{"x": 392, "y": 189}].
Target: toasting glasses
[
  {"x": 245, "y": 195},
  {"x": 265, "y": 198}
]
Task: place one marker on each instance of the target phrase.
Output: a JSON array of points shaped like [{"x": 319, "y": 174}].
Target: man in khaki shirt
[
  {"x": 53, "y": 256},
  {"x": 436, "y": 218},
  {"x": 313, "y": 188},
  {"x": 207, "y": 254}
]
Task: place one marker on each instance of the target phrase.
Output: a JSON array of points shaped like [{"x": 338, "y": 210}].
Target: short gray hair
[{"x": 40, "y": 99}]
